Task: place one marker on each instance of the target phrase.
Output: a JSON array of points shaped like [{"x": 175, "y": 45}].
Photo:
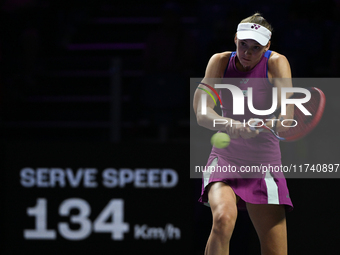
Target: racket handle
[
  {"x": 259, "y": 120},
  {"x": 254, "y": 124}
]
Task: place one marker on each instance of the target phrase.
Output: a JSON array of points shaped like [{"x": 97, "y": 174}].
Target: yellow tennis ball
[{"x": 220, "y": 140}]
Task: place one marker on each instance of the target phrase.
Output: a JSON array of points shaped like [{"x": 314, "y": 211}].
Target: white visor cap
[{"x": 253, "y": 31}]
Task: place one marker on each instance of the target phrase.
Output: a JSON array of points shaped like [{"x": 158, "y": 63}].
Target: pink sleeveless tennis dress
[{"x": 237, "y": 164}]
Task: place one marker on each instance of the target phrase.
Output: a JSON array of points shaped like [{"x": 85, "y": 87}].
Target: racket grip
[{"x": 254, "y": 123}]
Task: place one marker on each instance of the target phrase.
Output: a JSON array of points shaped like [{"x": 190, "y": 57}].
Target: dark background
[{"x": 106, "y": 84}]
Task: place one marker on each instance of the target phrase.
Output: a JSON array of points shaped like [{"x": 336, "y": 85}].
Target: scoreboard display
[{"x": 95, "y": 198}]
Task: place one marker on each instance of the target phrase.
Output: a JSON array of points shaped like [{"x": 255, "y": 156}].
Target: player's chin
[{"x": 246, "y": 63}]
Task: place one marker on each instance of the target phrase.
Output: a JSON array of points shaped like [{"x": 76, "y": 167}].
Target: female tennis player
[{"x": 266, "y": 197}]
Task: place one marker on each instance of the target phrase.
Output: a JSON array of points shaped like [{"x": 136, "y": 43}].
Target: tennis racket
[{"x": 305, "y": 123}]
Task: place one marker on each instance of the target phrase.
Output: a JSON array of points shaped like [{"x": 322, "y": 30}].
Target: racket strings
[{"x": 303, "y": 121}]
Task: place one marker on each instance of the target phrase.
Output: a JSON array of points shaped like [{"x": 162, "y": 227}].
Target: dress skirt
[{"x": 253, "y": 182}]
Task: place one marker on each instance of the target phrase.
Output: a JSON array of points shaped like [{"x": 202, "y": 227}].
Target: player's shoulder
[
  {"x": 276, "y": 59},
  {"x": 222, "y": 56},
  {"x": 278, "y": 65},
  {"x": 217, "y": 64}
]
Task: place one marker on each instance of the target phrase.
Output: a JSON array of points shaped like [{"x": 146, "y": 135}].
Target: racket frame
[{"x": 309, "y": 128}]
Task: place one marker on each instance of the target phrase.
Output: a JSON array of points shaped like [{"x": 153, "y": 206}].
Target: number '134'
[{"x": 114, "y": 210}]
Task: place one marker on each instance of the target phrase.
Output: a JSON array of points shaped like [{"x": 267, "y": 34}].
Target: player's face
[{"x": 249, "y": 53}]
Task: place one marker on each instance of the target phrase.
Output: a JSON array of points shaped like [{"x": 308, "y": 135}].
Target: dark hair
[{"x": 258, "y": 19}]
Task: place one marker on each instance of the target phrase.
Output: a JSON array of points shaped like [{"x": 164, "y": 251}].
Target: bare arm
[
  {"x": 280, "y": 74},
  {"x": 213, "y": 75}
]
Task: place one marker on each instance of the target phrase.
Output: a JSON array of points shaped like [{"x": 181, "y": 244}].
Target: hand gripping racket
[{"x": 305, "y": 123}]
